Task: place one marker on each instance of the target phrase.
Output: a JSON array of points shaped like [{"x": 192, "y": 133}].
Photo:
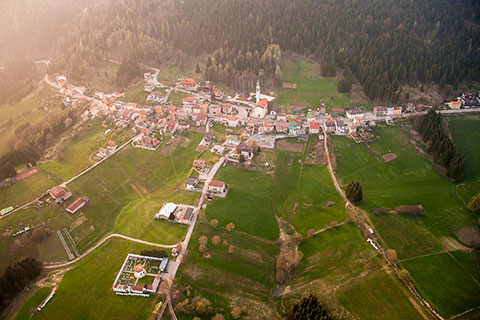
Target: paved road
[
  {"x": 113, "y": 235},
  {"x": 98, "y": 163},
  {"x": 155, "y": 75}
]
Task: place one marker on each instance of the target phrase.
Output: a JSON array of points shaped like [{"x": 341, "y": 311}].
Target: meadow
[
  {"x": 410, "y": 179},
  {"x": 26, "y": 190},
  {"x": 28, "y": 308},
  {"x": 312, "y": 89},
  {"x": 91, "y": 283},
  {"x": 244, "y": 278},
  {"x": 32, "y": 109},
  {"x": 466, "y": 135},
  {"x": 460, "y": 288},
  {"x": 377, "y": 296},
  {"x": 177, "y": 96},
  {"x": 132, "y": 186},
  {"x": 248, "y": 204},
  {"x": 22, "y": 246},
  {"x": 76, "y": 156}
]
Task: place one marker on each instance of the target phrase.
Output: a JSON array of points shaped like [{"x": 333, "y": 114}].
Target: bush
[
  {"x": 215, "y": 240},
  {"x": 154, "y": 253},
  {"x": 214, "y": 223},
  {"x": 231, "y": 249},
  {"x": 203, "y": 241},
  {"x": 354, "y": 192},
  {"x": 410, "y": 210},
  {"x": 308, "y": 309},
  {"x": 230, "y": 226},
  {"x": 474, "y": 203},
  {"x": 382, "y": 210},
  {"x": 236, "y": 313},
  {"x": 311, "y": 233}
]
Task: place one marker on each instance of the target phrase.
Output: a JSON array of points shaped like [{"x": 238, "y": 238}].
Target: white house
[{"x": 216, "y": 186}]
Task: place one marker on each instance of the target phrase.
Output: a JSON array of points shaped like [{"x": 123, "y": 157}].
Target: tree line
[
  {"x": 441, "y": 146},
  {"x": 16, "y": 277}
]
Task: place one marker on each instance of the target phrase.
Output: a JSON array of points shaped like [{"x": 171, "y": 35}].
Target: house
[
  {"x": 227, "y": 108},
  {"x": 243, "y": 96},
  {"x": 188, "y": 84},
  {"x": 380, "y": 111},
  {"x": 214, "y": 109},
  {"x": 233, "y": 140},
  {"x": 199, "y": 164},
  {"x": 201, "y": 120},
  {"x": 245, "y": 150},
  {"x": 354, "y": 113},
  {"x": 410, "y": 107},
  {"x": 186, "y": 216},
  {"x": 190, "y": 101},
  {"x": 191, "y": 183},
  {"x": 260, "y": 109},
  {"x": 292, "y": 128},
  {"x": 59, "y": 194},
  {"x": 61, "y": 80},
  {"x": 281, "y": 127},
  {"x": 275, "y": 110},
  {"x": 455, "y": 104},
  {"x": 340, "y": 127},
  {"x": 216, "y": 186},
  {"x": 76, "y": 205},
  {"x": 172, "y": 126},
  {"x": 268, "y": 126},
  {"x": 111, "y": 144},
  {"x": 232, "y": 121},
  {"x": 314, "y": 127},
  {"x": 394, "y": 111}
]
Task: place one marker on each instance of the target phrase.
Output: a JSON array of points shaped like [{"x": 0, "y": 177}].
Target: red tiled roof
[
  {"x": 215, "y": 183},
  {"x": 314, "y": 125},
  {"x": 75, "y": 204},
  {"x": 262, "y": 103}
]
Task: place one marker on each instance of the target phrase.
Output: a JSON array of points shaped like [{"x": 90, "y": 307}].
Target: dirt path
[{"x": 113, "y": 235}]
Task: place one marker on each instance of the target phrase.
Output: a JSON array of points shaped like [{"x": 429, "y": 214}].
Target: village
[{"x": 254, "y": 113}]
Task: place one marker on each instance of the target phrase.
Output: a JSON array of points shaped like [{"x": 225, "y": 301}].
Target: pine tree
[{"x": 354, "y": 193}]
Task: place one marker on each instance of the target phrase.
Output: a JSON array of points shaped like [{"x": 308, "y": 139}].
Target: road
[
  {"x": 113, "y": 235},
  {"x": 155, "y": 75},
  {"x": 98, "y": 163},
  {"x": 64, "y": 184}
]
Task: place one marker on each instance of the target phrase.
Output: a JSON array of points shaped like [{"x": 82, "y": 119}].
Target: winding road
[{"x": 112, "y": 235}]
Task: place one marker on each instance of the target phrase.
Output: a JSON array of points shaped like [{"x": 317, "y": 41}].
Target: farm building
[
  {"x": 167, "y": 210},
  {"x": 76, "y": 205},
  {"x": 59, "y": 194},
  {"x": 216, "y": 186}
]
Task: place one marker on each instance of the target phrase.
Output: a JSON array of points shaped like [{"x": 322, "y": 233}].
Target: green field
[
  {"x": 177, "y": 96},
  {"x": 76, "y": 157},
  {"x": 136, "y": 93},
  {"x": 407, "y": 180},
  {"x": 410, "y": 180},
  {"x": 135, "y": 179},
  {"x": 22, "y": 246},
  {"x": 466, "y": 135},
  {"x": 244, "y": 278},
  {"x": 459, "y": 291},
  {"x": 300, "y": 192},
  {"x": 91, "y": 283},
  {"x": 248, "y": 204},
  {"x": 28, "y": 110},
  {"x": 30, "y": 307},
  {"x": 26, "y": 190},
  {"x": 377, "y": 296},
  {"x": 312, "y": 89}
]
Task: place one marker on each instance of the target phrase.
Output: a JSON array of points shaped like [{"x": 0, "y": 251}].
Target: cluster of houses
[
  {"x": 134, "y": 269},
  {"x": 60, "y": 195},
  {"x": 466, "y": 100}
]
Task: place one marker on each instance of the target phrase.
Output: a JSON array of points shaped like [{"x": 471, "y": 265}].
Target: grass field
[
  {"x": 22, "y": 246},
  {"x": 177, "y": 96},
  {"x": 466, "y": 135},
  {"x": 409, "y": 180},
  {"x": 30, "y": 307},
  {"x": 300, "y": 192},
  {"x": 377, "y": 296},
  {"x": 312, "y": 89},
  {"x": 244, "y": 278},
  {"x": 26, "y": 190},
  {"x": 135, "y": 179},
  {"x": 27, "y": 110},
  {"x": 91, "y": 283},
  {"x": 136, "y": 93},
  {"x": 76, "y": 157},
  {"x": 459, "y": 292},
  {"x": 248, "y": 204}
]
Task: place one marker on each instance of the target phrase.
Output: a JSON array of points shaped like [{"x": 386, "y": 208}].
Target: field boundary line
[
  {"x": 464, "y": 313},
  {"x": 461, "y": 265}
]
